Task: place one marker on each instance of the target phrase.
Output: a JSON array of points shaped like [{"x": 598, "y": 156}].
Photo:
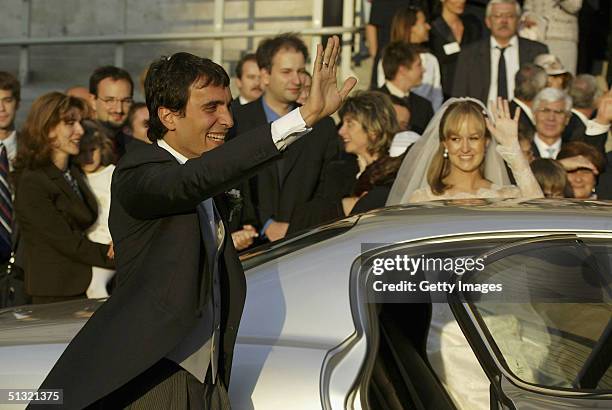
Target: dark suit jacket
[
  {"x": 421, "y": 110},
  {"x": 473, "y": 73},
  {"x": 163, "y": 277},
  {"x": 280, "y": 189},
  {"x": 576, "y": 131},
  {"x": 440, "y": 35},
  {"x": 604, "y": 182},
  {"x": 57, "y": 256},
  {"x": 525, "y": 124}
]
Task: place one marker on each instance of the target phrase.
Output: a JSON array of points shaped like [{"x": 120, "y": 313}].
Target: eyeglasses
[
  {"x": 112, "y": 101},
  {"x": 547, "y": 111}
]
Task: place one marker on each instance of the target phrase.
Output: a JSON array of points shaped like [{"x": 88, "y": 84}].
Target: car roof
[{"x": 391, "y": 224}]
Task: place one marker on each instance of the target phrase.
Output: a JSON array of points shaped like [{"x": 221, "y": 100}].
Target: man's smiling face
[{"x": 206, "y": 121}]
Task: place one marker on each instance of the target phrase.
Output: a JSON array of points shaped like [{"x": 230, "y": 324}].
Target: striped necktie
[{"x": 6, "y": 208}]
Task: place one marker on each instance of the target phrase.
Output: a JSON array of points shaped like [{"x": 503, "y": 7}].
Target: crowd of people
[{"x": 458, "y": 108}]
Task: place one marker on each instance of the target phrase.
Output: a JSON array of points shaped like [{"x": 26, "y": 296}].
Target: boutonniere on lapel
[{"x": 235, "y": 200}]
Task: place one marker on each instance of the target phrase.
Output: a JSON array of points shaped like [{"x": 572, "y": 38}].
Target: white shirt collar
[
  {"x": 525, "y": 109},
  {"x": 513, "y": 42},
  {"x": 10, "y": 143},
  {"x": 543, "y": 147},
  {"x": 395, "y": 91},
  {"x": 580, "y": 115},
  {"x": 243, "y": 100},
  {"x": 179, "y": 157}
]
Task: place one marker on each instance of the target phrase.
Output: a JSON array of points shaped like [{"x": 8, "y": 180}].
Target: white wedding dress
[{"x": 448, "y": 351}]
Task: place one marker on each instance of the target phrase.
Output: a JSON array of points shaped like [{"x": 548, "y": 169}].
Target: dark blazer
[
  {"x": 604, "y": 181},
  {"x": 163, "y": 276},
  {"x": 280, "y": 189},
  {"x": 576, "y": 131},
  {"x": 440, "y": 35},
  {"x": 421, "y": 110},
  {"x": 473, "y": 73},
  {"x": 525, "y": 124},
  {"x": 57, "y": 256}
]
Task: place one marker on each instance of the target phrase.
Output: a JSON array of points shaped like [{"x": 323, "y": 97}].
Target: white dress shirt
[
  {"x": 394, "y": 90},
  {"x": 547, "y": 151},
  {"x": 512, "y": 66},
  {"x": 243, "y": 100},
  {"x": 10, "y": 143},
  {"x": 592, "y": 126}
]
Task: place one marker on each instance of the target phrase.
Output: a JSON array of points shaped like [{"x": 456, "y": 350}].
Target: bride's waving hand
[{"x": 504, "y": 127}]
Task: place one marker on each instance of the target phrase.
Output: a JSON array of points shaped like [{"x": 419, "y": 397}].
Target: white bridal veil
[{"x": 412, "y": 174}]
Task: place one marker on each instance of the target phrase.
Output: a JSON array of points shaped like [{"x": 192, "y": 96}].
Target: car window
[
  {"x": 553, "y": 326},
  {"x": 290, "y": 244}
]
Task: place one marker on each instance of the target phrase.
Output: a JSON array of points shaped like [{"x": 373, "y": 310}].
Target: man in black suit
[
  {"x": 10, "y": 93},
  {"x": 584, "y": 93},
  {"x": 166, "y": 336},
  {"x": 278, "y": 191},
  {"x": 486, "y": 68},
  {"x": 404, "y": 71},
  {"x": 530, "y": 79},
  {"x": 248, "y": 81}
]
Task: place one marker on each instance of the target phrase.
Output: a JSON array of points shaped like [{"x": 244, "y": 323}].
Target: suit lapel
[
  {"x": 82, "y": 211},
  {"x": 88, "y": 195},
  {"x": 523, "y": 52}
]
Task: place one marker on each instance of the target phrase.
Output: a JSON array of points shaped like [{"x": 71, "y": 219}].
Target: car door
[
  {"x": 545, "y": 341},
  {"x": 294, "y": 348}
]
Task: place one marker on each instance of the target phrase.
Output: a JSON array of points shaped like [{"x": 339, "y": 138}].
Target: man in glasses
[{"x": 111, "y": 91}]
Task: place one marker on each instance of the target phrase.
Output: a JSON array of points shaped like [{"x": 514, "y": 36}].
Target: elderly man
[
  {"x": 585, "y": 95},
  {"x": 486, "y": 68}
]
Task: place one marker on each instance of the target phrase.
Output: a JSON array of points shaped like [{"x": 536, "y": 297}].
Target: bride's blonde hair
[{"x": 457, "y": 116}]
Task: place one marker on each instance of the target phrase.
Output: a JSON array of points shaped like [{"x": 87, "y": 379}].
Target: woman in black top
[{"x": 451, "y": 31}]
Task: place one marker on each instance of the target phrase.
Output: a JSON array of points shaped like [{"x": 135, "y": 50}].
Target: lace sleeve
[
  {"x": 526, "y": 181},
  {"x": 420, "y": 195}
]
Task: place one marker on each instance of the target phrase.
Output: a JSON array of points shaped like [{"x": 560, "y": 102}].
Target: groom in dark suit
[
  {"x": 486, "y": 68},
  {"x": 165, "y": 338}
]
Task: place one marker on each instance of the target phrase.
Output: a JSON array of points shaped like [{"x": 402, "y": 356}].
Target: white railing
[{"x": 347, "y": 30}]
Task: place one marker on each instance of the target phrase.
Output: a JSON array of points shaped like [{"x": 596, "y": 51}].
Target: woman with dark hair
[
  {"x": 410, "y": 25},
  {"x": 449, "y": 32},
  {"x": 53, "y": 204},
  {"x": 583, "y": 163},
  {"x": 96, "y": 158}
]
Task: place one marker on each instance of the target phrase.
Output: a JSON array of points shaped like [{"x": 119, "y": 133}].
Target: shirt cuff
[
  {"x": 595, "y": 128},
  {"x": 262, "y": 233},
  {"x": 288, "y": 129}
]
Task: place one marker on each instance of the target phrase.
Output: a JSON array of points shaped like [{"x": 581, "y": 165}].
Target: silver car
[{"x": 322, "y": 328}]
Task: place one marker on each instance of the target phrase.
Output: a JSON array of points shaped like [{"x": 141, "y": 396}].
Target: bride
[{"x": 456, "y": 158}]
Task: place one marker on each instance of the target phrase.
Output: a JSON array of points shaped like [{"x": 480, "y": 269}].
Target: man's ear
[
  {"x": 167, "y": 117},
  {"x": 265, "y": 76}
]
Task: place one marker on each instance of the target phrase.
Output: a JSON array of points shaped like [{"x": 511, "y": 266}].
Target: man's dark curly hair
[{"x": 168, "y": 81}]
